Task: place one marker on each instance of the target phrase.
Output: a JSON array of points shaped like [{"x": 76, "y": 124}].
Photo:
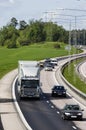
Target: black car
[
  {"x": 47, "y": 60},
  {"x": 58, "y": 90},
  {"x": 72, "y": 111},
  {"x": 52, "y": 65}
]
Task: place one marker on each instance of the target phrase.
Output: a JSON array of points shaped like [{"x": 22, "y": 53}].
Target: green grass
[
  {"x": 72, "y": 77},
  {"x": 9, "y": 57}
]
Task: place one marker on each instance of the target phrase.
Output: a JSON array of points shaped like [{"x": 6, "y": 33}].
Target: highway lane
[
  {"x": 45, "y": 113},
  {"x": 82, "y": 69},
  {"x": 42, "y": 114}
]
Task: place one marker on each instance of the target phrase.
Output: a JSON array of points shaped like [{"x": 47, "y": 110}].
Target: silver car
[{"x": 48, "y": 68}]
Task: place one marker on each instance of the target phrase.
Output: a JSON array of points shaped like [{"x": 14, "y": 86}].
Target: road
[
  {"x": 82, "y": 70},
  {"x": 9, "y": 117},
  {"x": 43, "y": 114},
  {"x": 46, "y": 113}
]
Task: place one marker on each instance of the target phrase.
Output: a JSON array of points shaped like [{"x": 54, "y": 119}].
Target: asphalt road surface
[
  {"x": 43, "y": 115},
  {"x": 46, "y": 112},
  {"x": 1, "y": 127}
]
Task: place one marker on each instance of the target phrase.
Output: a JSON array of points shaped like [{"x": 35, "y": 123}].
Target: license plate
[
  {"x": 73, "y": 116},
  {"x": 59, "y": 93}
]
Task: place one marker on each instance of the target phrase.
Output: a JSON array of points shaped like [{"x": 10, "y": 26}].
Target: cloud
[
  {"x": 6, "y": 3},
  {"x": 11, "y": 1}
]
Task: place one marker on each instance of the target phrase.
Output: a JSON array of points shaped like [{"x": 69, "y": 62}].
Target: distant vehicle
[
  {"x": 48, "y": 68},
  {"x": 29, "y": 79},
  {"x": 53, "y": 61},
  {"x": 51, "y": 64},
  {"x": 72, "y": 111},
  {"x": 41, "y": 64},
  {"x": 47, "y": 60},
  {"x": 58, "y": 90}
]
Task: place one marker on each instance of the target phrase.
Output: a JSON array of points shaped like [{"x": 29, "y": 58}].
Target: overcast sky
[{"x": 35, "y": 9}]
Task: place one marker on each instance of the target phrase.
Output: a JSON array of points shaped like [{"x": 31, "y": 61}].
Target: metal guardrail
[
  {"x": 79, "y": 72},
  {"x": 81, "y": 94}
]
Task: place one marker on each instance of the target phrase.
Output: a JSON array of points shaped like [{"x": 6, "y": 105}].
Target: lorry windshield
[{"x": 30, "y": 83}]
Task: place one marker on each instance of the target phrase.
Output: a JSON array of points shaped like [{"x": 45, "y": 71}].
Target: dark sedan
[
  {"x": 58, "y": 90},
  {"x": 72, "y": 111}
]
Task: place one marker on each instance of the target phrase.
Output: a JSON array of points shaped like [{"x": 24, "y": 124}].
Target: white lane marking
[
  {"x": 73, "y": 97},
  {"x": 76, "y": 100},
  {"x": 79, "y": 103},
  {"x": 18, "y": 108},
  {"x": 52, "y": 106},
  {"x": 58, "y": 112},
  {"x": 47, "y": 101},
  {"x": 74, "y": 127}
]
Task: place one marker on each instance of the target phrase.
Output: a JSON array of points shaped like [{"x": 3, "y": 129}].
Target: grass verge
[
  {"x": 70, "y": 74},
  {"x": 9, "y": 57}
]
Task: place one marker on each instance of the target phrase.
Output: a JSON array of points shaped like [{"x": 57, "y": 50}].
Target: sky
[{"x": 55, "y": 10}]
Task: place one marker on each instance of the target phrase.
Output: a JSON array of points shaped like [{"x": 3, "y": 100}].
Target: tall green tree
[
  {"x": 22, "y": 25},
  {"x": 14, "y": 22},
  {"x": 36, "y": 31}
]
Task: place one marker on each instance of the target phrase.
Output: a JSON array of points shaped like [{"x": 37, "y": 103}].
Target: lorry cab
[{"x": 29, "y": 79}]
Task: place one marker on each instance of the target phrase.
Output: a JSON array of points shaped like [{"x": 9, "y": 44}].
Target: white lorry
[{"x": 29, "y": 79}]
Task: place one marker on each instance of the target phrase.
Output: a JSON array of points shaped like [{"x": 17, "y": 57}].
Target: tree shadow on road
[{"x": 6, "y": 100}]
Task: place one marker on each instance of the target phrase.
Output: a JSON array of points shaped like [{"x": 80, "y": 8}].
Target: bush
[{"x": 56, "y": 45}]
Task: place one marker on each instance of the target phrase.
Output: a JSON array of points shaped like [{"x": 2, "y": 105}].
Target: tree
[
  {"x": 36, "y": 31},
  {"x": 14, "y": 22},
  {"x": 22, "y": 25}
]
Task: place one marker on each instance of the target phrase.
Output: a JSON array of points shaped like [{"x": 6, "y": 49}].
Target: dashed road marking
[
  {"x": 58, "y": 112},
  {"x": 52, "y": 106},
  {"x": 47, "y": 101},
  {"x": 74, "y": 127}
]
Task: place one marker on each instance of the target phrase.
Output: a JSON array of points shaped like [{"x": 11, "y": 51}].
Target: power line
[{"x": 81, "y": 10}]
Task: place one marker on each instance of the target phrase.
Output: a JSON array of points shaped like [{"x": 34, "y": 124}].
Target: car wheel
[
  {"x": 80, "y": 118},
  {"x": 65, "y": 95},
  {"x": 63, "y": 117},
  {"x": 52, "y": 94}
]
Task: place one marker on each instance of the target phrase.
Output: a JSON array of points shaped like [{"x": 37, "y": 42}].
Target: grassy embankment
[
  {"x": 72, "y": 77},
  {"x": 9, "y": 57}
]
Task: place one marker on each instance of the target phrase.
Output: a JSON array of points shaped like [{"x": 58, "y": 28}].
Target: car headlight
[
  {"x": 54, "y": 91},
  {"x": 79, "y": 114},
  {"x": 67, "y": 113}
]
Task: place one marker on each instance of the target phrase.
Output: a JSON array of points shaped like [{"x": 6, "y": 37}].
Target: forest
[{"x": 17, "y": 34}]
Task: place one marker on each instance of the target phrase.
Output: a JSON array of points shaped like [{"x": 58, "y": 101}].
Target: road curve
[
  {"x": 9, "y": 117},
  {"x": 82, "y": 70},
  {"x": 41, "y": 114}
]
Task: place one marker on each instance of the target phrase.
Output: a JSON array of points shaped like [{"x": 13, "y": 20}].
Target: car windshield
[
  {"x": 48, "y": 65},
  {"x": 59, "y": 87},
  {"x": 72, "y": 107},
  {"x": 53, "y": 61},
  {"x": 30, "y": 83}
]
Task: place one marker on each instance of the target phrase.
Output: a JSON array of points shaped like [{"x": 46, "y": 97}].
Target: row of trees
[
  {"x": 17, "y": 34},
  {"x": 20, "y": 33}
]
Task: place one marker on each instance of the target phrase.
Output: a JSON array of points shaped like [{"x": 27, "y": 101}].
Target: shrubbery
[{"x": 34, "y": 32}]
